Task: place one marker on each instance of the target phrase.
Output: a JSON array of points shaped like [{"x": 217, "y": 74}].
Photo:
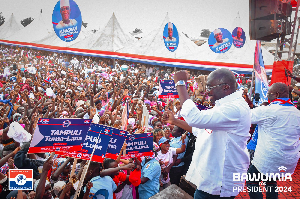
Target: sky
[{"x": 189, "y": 16}]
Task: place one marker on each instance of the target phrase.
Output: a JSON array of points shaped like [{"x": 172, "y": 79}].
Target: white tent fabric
[
  {"x": 87, "y": 41},
  {"x": 153, "y": 45},
  {"x": 36, "y": 30},
  {"x": 10, "y": 27},
  {"x": 244, "y": 55},
  {"x": 111, "y": 38},
  {"x": 53, "y": 39}
]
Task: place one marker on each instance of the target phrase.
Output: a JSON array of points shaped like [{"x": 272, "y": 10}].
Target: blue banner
[
  {"x": 99, "y": 135},
  {"x": 115, "y": 143},
  {"x": 59, "y": 135},
  {"x": 139, "y": 145},
  {"x": 167, "y": 89}
]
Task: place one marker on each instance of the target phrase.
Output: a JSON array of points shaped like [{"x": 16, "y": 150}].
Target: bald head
[
  {"x": 224, "y": 75},
  {"x": 220, "y": 83},
  {"x": 278, "y": 90}
]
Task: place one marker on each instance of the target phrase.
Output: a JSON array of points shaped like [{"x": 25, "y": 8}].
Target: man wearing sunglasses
[
  {"x": 65, "y": 11},
  {"x": 222, "y": 133}
]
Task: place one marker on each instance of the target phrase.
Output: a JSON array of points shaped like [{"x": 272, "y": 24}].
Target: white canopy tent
[
  {"x": 239, "y": 56},
  {"x": 10, "y": 27},
  {"x": 153, "y": 44},
  {"x": 111, "y": 38},
  {"x": 36, "y": 30},
  {"x": 53, "y": 39}
]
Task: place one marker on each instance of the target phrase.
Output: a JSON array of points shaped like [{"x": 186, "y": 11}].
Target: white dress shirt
[
  {"x": 221, "y": 151},
  {"x": 278, "y": 141}
]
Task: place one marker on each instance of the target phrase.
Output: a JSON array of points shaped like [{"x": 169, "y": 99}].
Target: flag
[
  {"x": 261, "y": 81},
  {"x": 279, "y": 72}
]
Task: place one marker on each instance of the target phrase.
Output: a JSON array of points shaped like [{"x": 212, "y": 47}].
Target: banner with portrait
[
  {"x": 171, "y": 37},
  {"x": 66, "y": 20}
]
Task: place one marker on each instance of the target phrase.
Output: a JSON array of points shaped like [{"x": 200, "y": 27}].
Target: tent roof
[
  {"x": 36, "y": 30},
  {"x": 111, "y": 38},
  {"x": 10, "y": 27},
  {"x": 54, "y": 39},
  {"x": 153, "y": 44},
  {"x": 244, "y": 55}
]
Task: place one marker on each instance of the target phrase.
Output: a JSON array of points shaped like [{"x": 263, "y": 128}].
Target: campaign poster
[
  {"x": 59, "y": 135},
  {"x": 139, "y": 145},
  {"x": 238, "y": 36},
  {"x": 171, "y": 37},
  {"x": 167, "y": 89},
  {"x": 66, "y": 20},
  {"x": 98, "y": 135},
  {"x": 115, "y": 143},
  {"x": 220, "y": 40}
]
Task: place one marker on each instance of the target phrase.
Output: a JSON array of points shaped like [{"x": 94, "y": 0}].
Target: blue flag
[{"x": 261, "y": 81}]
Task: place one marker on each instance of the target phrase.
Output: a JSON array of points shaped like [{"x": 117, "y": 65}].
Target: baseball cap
[{"x": 162, "y": 140}]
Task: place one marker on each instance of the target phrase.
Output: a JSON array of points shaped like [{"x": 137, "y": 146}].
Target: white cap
[
  {"x": 217, "y": 31},
  {"x": 64, "y": 3},
  {"x": 170, "y": 25}
]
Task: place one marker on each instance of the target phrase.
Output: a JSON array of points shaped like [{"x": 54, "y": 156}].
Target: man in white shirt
[
  {"x": 278, "y": 146},
  {"x": 221, "y": 151}
]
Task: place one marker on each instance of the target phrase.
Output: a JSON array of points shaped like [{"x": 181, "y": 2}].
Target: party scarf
[{"x": 283, "y": 102}]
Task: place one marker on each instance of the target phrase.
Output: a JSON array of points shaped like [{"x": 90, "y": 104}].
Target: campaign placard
[
  {"x": 20, "y": 179},
  {"x": 170, "y": 36},
  {"x": 115, "y": 143},
  {"x": 98, "y": 136},
  {"x": 220, "y": 40},
  {"x": 167, "y": 89},
  {"x": 238, "y": 36},
  {"x": 66, "y": 20},
  {"x": 59, "y": 135},
  {"x": 139, "y": 145}
]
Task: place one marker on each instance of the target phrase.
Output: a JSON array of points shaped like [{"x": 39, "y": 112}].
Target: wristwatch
[{"x": 180, "y": 83}]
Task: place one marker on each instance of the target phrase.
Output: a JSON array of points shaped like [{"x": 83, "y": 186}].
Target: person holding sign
[
  {"x": 65, "y": 11},
  {"x": 105, "y": 180}
]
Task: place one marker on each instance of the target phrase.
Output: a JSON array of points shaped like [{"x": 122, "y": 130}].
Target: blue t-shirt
[
  {"x": 105, "y": 183},
  {"x": 152, "y": 171},
  {"x": 177, "y": 143}
]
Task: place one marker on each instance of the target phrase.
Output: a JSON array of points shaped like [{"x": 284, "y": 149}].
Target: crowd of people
[{"x": 40, "y": 84}]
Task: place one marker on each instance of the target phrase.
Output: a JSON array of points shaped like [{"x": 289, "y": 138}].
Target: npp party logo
[{"x": 20, "y": 179}]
